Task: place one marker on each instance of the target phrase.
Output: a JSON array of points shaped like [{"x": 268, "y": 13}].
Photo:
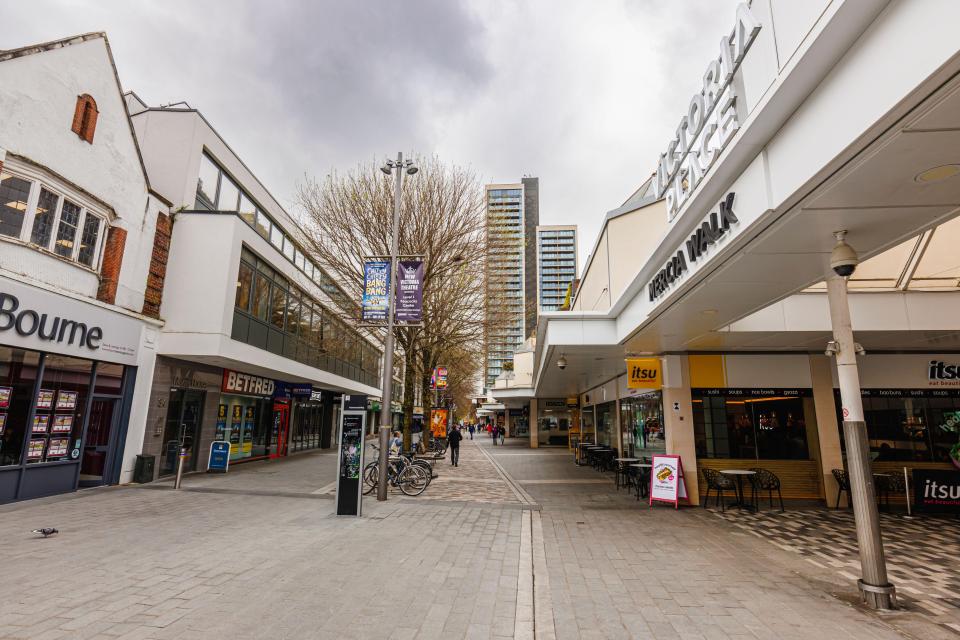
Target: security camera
[
  {"x": 562, "y": 363},
  {"x": 843, "y": 258}
]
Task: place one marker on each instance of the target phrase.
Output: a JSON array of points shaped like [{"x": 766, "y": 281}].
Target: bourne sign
[
  {"x": 711, "y": 119},
  {"x": 707, "y": 234}
]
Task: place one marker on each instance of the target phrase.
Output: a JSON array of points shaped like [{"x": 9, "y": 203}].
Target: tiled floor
[{"x": 916, "y": 549}]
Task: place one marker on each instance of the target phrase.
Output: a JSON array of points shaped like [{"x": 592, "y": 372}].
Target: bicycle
[
  {"x": 411, "y": 458},
  {"x": 411, "y": 479}
]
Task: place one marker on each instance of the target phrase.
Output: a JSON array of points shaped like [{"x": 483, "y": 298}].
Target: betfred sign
[
  {"x": 245, "y": 384},
  {"x": 936, "y": 490}
]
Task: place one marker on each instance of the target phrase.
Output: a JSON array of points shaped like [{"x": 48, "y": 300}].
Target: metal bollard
[{"x": 183, "y": 456}]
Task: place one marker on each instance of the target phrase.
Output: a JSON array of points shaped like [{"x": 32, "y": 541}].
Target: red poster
[
  {"x": 3, "y": 422},
  {"x": 5, "y": 393}
]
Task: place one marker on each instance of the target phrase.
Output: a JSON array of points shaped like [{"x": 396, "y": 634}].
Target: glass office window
[
  {"x": 264, "y": 226},
  {"x": 14, "y": 193},
  {"x": 43, "y": 218},
  {"x": 228, "y": 198},
  {"x": 207, "y": 183},
  {"x": 247, "y": 210},
  {"x": 278, "y": 305},
  {"x": 67, "y": 230},
  {"x": 244, "y": 286}
]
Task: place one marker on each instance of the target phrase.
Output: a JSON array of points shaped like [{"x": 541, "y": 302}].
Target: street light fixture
[{"x": 397, "y": 168}]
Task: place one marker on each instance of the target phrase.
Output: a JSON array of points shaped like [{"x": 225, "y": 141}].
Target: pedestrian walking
[
  {"x": 416, "y": 433},
  {"x": 503, "y": 434},
  {"x": 493, "y": 433},
  {"x": 471, "y": 431},
  {"x": 453, "y": 441}
]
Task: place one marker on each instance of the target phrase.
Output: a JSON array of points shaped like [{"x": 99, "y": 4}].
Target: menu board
[
  {"x": 66, "y": 400},
  {"x": 5, "y": 393},
  {"x": 35, "y": 452},
  {"x": 57, "y": 448},
  {"x": 62, "y": 424},
  {"x": 41, "y": 424},
  {"x": 666, "y": 480},
  {"x": 3, "y": 422},
  {"x": 45, "y": 399}
]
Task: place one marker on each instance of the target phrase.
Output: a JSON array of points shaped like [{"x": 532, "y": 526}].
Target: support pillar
[
  {"x": 875, "y": 589},
  {"x": 534, "y": 427},
  {"x": 828, "y": 430},
  {"x": 678, "y": 422}
]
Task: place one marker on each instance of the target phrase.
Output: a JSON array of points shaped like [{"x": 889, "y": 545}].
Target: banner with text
[
  {"x": 410, "y": 292},
  {"x": 376, "y": 285}
]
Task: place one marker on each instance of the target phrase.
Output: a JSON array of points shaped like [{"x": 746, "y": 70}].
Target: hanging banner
[
  {"x": 440, "y": 378},
  {"x": 410, "y": 291},
  {"x": 438, "y": 423},
  {"x": 666, "y": 480},
  {"x": 643, "y": 373},
  {"x": 376, "y": 284}
]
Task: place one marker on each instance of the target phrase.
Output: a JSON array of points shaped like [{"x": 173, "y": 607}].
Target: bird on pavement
[{"x": 46, "y": 531}]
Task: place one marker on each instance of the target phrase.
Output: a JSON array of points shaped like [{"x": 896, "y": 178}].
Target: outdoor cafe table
[
  {"x": 618, "y": 460},
  {"x": 741, "y": 502},
  {"x": 641, "y": 486},
  {"x": 581, "y": 452}
]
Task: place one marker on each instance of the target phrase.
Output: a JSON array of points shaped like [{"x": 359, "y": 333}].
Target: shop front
[
  {"x": 641, "y": 425},
  {"x": 553, "y": 422},
  {"x": 67, "y": 377}
]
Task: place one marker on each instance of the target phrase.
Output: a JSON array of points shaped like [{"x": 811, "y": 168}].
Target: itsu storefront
[{"x": 67, "y": 374}]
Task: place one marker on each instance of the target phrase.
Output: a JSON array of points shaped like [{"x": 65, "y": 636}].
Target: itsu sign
[{"x": 710, "y": 121}]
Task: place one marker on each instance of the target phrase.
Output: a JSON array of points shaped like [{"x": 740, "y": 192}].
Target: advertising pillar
[
  {"x": 678, "y": 418},
  {"x": 353, "y": 418}
]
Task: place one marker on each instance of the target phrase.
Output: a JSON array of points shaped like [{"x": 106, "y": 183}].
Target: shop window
[
  {"x": 910, "y": 425},
  {"x": 18, "y": 374},
  {"x": 60, "y": 406},
  {"x": 641, "y": 421},
  {"x": 606, "y": 413},
  {"x": 85, "y": 118},
  {"x": 14, "y": 193},
  {"x": 750, "y": 424},
  {"x": 109, "y": 381},
  {"x": 43, "y": 218}
]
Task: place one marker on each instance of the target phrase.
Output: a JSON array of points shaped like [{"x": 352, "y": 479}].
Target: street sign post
[{"x": 353, "y": 418}]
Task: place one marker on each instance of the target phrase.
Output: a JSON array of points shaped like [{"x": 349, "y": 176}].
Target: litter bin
[{"x": 143, "y": 470}]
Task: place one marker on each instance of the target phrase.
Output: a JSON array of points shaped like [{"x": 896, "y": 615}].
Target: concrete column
[
  {"x": 506, "y": 421},
  {"x": 828, "y": 431},
  {"x": 679, "y": 422},
  {"x": 616, "y": 420},
  {"x": 534, "y": 432}
]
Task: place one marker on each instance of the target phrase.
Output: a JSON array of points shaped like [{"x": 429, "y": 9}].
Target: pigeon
[{"x": 46, "y": 531}]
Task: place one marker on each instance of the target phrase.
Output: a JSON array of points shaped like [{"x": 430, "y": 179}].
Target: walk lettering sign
[
  {"x": 219, "y": 460},
  {"x": 644, "y": 373},
  {"x": 936, "y": 490},
  {"x": 376, "y": 285},
  {"x": 666, "y": 480}
]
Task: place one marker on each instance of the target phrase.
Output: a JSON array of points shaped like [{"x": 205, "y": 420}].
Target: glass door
[
  {"x": 183, "y": 426},
  {"x": 96, "y": 449},
  {"x": 281, "y": 426}
]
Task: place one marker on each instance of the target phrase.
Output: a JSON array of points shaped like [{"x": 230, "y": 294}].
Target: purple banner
[{"x": 410, "y": 291}]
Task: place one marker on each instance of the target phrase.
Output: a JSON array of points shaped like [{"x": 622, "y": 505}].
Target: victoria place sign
[{"x": 710, "y": 121}]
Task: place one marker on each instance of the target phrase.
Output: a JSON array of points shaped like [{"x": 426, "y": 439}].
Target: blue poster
[{"x": 376, "y": 285}]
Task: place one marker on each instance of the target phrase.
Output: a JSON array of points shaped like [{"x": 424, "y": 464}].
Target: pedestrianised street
[{"x": 512, "y": 542}]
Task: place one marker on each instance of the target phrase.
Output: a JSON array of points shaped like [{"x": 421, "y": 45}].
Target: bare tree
[{"x": 347, "y": 217}]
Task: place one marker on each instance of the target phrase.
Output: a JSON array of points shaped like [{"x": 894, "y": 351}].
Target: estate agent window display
[{"x": 54, "y": 430}]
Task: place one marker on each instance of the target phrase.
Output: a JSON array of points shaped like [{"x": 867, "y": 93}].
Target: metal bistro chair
[
  {"x": 765, "y": 480},
  {"x": 643, "y": 480},
  {"x": 893, "y": 483},
  {"x": 719, "y": 483},
  {"x": 843, "y": 482},
  {"x": 621, "y": 471}
]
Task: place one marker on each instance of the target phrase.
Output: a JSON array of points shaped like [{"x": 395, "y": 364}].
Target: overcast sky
[{"x": 583, "y": 94}]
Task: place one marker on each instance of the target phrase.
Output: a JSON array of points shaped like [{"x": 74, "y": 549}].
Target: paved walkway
[{"x": 543, "y": 551}]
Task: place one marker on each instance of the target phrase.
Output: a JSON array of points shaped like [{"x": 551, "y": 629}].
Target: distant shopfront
[
  {"x": 260, "y": 417},
  {"x": 67, "y": 374}
]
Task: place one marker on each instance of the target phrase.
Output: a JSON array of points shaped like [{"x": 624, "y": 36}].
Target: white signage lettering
[{"x": 710, "y": 121}]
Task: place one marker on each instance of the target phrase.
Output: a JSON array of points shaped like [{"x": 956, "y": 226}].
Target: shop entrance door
[
  {"x": 97, "y": 450},
  {"x": 183, "y": 422},
  {"x": 281, "y": 428}
]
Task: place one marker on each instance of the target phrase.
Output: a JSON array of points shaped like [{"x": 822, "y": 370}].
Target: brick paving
[{"x": 544, "y": 552}]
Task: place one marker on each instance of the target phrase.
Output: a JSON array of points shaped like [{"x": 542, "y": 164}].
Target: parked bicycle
[{"x": 412, "y": 479}]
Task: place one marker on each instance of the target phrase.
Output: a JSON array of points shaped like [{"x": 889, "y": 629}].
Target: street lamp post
[{"x": 397, "y": 166}]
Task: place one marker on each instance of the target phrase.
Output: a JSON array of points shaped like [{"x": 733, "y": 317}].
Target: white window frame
[{"x": 40, "y": 180}]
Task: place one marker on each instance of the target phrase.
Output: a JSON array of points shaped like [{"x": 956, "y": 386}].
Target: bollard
[{"x": 183, "y": 456}]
